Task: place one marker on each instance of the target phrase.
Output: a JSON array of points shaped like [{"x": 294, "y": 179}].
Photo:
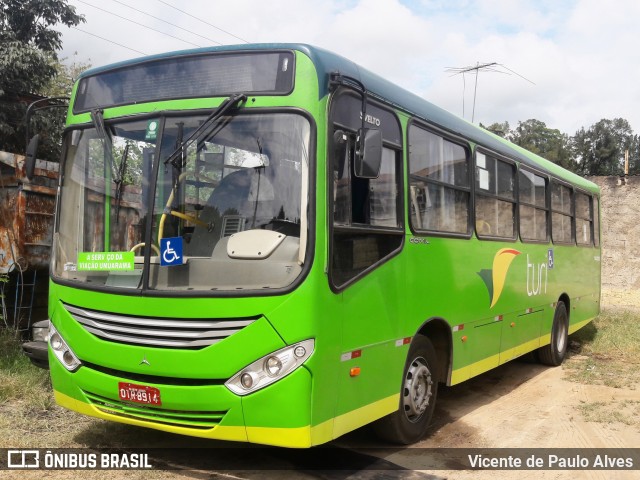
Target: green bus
[{"x": 268, "y": 243}]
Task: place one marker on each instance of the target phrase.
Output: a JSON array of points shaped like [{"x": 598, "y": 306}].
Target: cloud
[{"x": 582, "y": 55}]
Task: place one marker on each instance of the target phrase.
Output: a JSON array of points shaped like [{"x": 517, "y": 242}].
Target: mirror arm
[
  {"x": 337, "y": 79},
  {"x": 30, "y": 157},
  {"x": 38, "y": 105}
]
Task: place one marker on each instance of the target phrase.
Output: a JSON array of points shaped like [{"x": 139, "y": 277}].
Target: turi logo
[{"x": 494, "y": 278}]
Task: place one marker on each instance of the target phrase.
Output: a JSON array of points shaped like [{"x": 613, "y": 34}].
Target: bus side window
[
  {"x": 596, "y": 221},
  {"x": 495, "y": 197},
  {"x": 561, "y": 213},
  {"x": 584, "y": 220},
  {"x": 534, "y": 211},
  {"x": 439, "y": 186},
  {"x": 366, "y": 212}
]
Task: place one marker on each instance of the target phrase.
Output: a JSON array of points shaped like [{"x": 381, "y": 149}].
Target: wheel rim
[
  {"x": 561, "y": 337},
  {"x": 417, "y": 389}
]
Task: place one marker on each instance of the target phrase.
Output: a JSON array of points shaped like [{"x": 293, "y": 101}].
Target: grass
[
  {"x": 607, "y": 351},
  {"x": 19, "y": 380},
  {"x": 622, "y": 411},
  {"x": 25, "y": 390},
  {"x": 28, "y": 414}
]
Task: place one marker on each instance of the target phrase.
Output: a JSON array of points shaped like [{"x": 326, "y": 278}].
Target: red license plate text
[{"x": 131, "y": 392}]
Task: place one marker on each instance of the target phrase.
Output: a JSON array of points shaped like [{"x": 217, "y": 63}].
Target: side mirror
[
  {"x": 369, "y": 155},
  {"x": 30, "y": 157}
]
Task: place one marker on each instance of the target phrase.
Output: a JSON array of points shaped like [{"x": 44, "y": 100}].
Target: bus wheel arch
[
  {"x": 564, "y": 298},
  {"x": 555, "y": 352},
  {"x": 438, "y": 331}
]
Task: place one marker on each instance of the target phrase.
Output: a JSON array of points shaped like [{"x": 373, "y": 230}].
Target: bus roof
[{"x": 327, "y": 63}]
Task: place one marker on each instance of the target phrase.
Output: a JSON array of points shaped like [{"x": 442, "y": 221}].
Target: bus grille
[
  {"x": 182, "y": 418},
  {"x": 157, "y": 332}
]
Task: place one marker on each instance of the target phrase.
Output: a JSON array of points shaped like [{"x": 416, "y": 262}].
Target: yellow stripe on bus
[
  {"x": 299, "y": 437},
  {"x": 486, "y": 364},
  {"x": 579, "y": 325}
]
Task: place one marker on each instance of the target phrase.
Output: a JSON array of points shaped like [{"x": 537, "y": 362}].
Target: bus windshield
[{"x": 228, "y": 209}]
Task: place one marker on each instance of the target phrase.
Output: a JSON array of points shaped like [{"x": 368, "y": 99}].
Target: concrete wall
[{"x": 620, "y": 217}]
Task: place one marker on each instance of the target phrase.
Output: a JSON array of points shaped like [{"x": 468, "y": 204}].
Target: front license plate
[{"x": 131, "y": 392}]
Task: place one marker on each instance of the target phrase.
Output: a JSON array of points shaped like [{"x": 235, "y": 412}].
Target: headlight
[
  {"x": 62, "y": 351},
  {"x": 270, "y": 368},
  {"x": 273, "y": 366}
]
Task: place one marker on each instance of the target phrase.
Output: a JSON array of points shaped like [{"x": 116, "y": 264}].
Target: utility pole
[{"x": 626, "y": 163}]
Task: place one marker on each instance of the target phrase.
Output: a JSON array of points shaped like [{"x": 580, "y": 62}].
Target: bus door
[{"x": 366, "y": 225}]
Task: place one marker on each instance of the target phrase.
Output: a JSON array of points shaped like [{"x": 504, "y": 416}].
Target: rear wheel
[
  {"x": 417, "y": 396},
  {"x": 554, "y": 353}
]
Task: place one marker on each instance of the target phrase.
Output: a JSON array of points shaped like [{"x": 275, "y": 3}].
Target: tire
[
  {"x": 554, "y": 353},
  {"x": 418, "y": 394}
]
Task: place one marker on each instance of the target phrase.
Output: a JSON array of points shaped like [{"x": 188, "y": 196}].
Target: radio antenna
[{"x": 494, "y": 67}]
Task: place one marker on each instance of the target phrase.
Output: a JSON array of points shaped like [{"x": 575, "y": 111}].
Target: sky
[{"x": 567, "y": 63}]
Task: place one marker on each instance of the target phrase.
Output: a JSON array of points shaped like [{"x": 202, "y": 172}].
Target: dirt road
[
  {"x": 525, "y": 405},
  {"x": 518, "y": 405}
]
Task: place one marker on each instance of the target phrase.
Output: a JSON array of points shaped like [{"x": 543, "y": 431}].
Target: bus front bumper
[{"x": 278, "y": 415}]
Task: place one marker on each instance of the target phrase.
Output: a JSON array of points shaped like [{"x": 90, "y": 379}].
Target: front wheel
[
  {"x": 554, "y": 353},
  {"x": 417, "y": 396}
]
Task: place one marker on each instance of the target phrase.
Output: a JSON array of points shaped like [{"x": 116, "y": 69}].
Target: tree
[
  {"x": 49, "y": 123},
  {"x": 28, "y": 59},
  {"x": 600, "y": 149},
  {"x": 66, "y": 74},
  {"x": 549, "y": 143},
  {"x": 501, "y": 129}
]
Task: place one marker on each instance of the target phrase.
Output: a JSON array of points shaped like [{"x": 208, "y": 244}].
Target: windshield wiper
[
  {"x": 205, "y": 129},
  {"x": 117, "y": 173},
  {"x": 97, "y": 117},
  {"x": 120, "y": 180}
]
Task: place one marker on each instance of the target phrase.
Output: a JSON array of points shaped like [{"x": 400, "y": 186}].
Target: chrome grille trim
[
  {"x": 183, "y": 418},
  {"x": 156, "y": 332}
]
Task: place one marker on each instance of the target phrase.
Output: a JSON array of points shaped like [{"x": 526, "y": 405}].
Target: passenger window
[
  {"x": 596, "y": 222},
  {"x": 583, "y": 219},
  {"x": 534, "y": 212},
  {"x": 561, "y": 216},
  {"x": 495, "y": 197},
  {"x": 439, "y": 186}
]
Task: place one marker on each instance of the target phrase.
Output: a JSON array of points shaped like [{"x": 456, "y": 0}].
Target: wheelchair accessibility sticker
[{"x": 171, "y": 251}]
